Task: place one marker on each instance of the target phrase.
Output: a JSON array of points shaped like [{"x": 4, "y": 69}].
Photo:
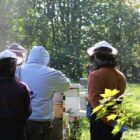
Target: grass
[
  {"x": 79, "y": 129},
  {"x": 132, "y": 104},
  {"x": 84, "y": 126}
]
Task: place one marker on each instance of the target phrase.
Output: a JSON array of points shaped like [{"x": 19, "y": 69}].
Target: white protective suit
[{"x": 43, "y": 81}]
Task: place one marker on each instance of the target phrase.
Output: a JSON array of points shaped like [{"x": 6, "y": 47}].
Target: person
[
  {"x": 21, "y": 53},
  {"x": 88, "y": 105},
  {"x": 15, "y": 106},
  {"x": 104, "y": 75},
  {"x": 43, "y": 81}
]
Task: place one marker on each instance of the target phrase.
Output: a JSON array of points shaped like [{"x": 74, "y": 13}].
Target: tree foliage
[
  {"x": 68, "y": 27},
  {"x": 6, "y": 7}
]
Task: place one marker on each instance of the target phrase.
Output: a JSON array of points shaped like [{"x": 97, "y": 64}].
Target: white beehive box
[
  {"x": 83, "y": 101},
  {"x": 72, "y": 99}
]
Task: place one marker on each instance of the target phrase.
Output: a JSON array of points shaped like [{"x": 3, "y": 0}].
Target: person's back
[
  {"x": 15, "y": 111},
  {"x": 14, "y": 100},
  {"x": 104, "y": 76},
  {"x": 43, "y": 81}
]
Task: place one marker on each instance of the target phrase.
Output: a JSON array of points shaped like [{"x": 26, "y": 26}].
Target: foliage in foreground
[
  {"x": 115, "y": 112},
  {"x": 130, "y": 103},
  {"x": 79, "y": 129}
]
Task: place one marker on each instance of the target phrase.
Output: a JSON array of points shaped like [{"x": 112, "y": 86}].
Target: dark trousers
[
  {"x": 13, "y": 135},
  {"x": 101, "y": 131},
  {"x": 57, "y": 130},
  {"x": 38, "y": 130}
]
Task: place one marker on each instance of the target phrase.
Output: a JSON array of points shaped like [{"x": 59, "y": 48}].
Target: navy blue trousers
[{"x": 101, "y": 131}]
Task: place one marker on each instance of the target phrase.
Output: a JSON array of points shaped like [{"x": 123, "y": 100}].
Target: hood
[{"x": 39, "y": 55}]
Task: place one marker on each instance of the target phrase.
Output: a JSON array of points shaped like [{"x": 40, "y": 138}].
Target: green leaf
[
  {"x": 112, "y": 117},
  {"x": 110, "y": 104},
  {"x": 96, "y": 109},
  {"x": 122, "y": 120},
  {"x": 109, "y": 93},
  {"x": 116, "y": 129},
  {"x": 101, "y": 113}
]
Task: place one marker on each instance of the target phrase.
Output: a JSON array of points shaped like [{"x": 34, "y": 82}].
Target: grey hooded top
[{"x": 43, "y": 82}]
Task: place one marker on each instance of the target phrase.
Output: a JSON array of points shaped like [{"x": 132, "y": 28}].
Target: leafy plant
[
  {"x": 112, "y": 110},
  {"x": 79, "y": 129}
]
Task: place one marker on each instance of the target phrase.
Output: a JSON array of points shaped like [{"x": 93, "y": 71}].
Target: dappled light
[{"x": 67, "y": 28}]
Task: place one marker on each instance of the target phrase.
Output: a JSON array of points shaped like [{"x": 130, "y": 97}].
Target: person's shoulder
[
  {"x": 121, "y": 73},
  {"x": 95, "y": 73},
  {"x": 22, "y": 85},
  {"x": 106, "y": 70},
  {"x": 101, "y": 72},
  {"x": 54, "y": 71}
]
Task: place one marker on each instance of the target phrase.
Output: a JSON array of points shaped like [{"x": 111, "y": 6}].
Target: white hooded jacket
[{"x": 43, "y": 81}]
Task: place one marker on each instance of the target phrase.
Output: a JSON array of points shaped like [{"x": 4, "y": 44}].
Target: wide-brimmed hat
[
  {"x": 8, "y": 54},
  {"x": 100, "y": 44},
  {"x": 19, "y": 51}
]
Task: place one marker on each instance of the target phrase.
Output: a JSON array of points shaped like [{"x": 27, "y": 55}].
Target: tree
[
  {"x": 56, "y": 24},
  {"x": 68, "y": 27},
  {"x": 5, "y": 10},
  {"x": 118, "y": 23}
]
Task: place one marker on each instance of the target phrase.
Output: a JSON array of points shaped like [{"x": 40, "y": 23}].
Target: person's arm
[
  {"x": 18, "y": 73},
  {"x": 27, "y": 102},
  {"x": 95, "y": 88},
  {"x": 59, "y": 81}
]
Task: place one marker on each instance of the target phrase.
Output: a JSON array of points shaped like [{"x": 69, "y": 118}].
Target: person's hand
[{"x": 32, "y": 94}]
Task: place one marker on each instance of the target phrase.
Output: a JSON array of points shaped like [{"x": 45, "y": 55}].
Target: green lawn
[{"x": 132, "y": 103}]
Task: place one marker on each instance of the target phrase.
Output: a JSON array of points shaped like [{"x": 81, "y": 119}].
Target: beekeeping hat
[
  {"x": 8, "y": 54},
  {"x": 101, "y": 44},
  {"x": 19, "y": 51}
]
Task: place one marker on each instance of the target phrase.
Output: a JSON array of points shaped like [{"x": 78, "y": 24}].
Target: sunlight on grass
[
  {"x": 132, "y": 103},
  {"x": 85, "y": 135}
]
